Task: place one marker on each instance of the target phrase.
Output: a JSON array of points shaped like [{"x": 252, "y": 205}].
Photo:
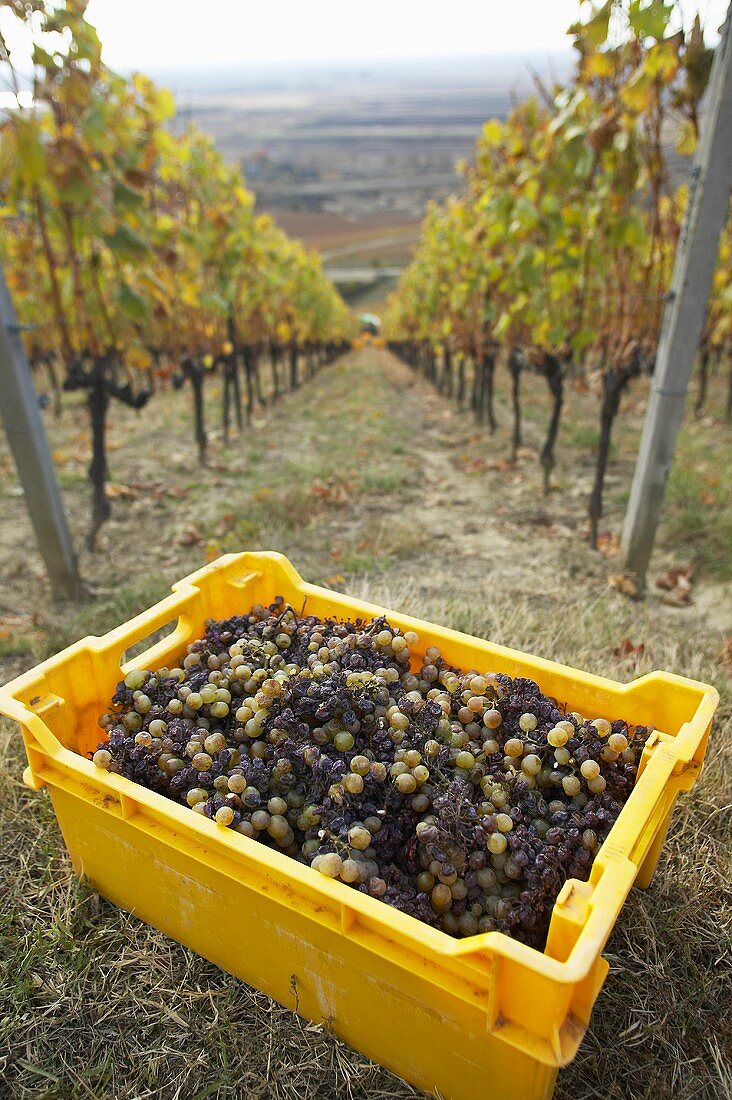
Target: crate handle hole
[{"x": 148, "y": 641}]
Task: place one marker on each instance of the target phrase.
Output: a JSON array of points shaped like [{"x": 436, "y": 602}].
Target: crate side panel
[{"x": 407, "y": 1024}]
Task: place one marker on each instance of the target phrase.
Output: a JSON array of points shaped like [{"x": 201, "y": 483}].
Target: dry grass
[{"x": 95, "y": 1004}]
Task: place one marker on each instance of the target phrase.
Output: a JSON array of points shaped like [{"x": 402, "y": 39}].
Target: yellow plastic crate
[{"x": 454, "y": 1015}]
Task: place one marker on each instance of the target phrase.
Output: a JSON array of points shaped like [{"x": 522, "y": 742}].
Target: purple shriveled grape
[{"x": 295, "y": 724}]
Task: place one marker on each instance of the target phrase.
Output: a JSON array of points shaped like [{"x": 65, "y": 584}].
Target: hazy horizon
[{"x": 510, "y": 68}]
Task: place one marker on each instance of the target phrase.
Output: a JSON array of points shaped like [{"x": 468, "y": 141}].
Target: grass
[
  {"x": 95, "y": 1004},
  {"x": 586, "y": 438},
  {"x": 699, "y": 513},
  {"x": 16, "y": 646}
]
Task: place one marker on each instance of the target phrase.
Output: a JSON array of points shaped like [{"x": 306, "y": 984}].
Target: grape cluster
[{"x": 464, "y": 799}]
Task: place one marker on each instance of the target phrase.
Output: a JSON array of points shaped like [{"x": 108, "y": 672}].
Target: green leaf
[
  {"x": 126, "y": 198},
  {"x": 132, "y": 304},
  {"x": 215, "y": 303},
  {"x": 94, "y": 127},
  {"x": 31, "y": 154},
  {"x": 626, "y": 230},
  {"x": 44, "y": 59},
  {"x": 686, "y": 139},
  {"x": 76, "y": 192},
  {"x": 126, "y": 244},
  {"x": 502, "y": 325},
  {"x": 649, "y": 19},
  {"x": 583, "y": 164},
  {"x": 594, "y": 31}
]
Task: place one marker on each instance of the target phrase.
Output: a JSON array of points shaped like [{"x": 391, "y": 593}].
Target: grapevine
[
  {"x": 557, "y": 256},
  {"x": 135, "y": 256}
]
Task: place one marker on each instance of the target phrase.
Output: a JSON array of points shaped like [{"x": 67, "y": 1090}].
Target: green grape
[
  {"x": 590, "y": 769},
  {"x": 224, "y": 815},
  {"x": 571, "y": 785},
  {"x": 135, "y": 679},
  {"x": 359, "y": 837},
  {"x": 330, "y": 865},
  {"x": 441, "y": 897}
]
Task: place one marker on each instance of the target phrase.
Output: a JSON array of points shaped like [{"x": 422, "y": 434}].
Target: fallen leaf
[
  {"x": 624, "y": 584},
  {"x": 677, "y": 597},
  {"x": 676, "y": 586},
  {"x": 608, "y": 543},
  {"x": 672, "y": 576},
  {"x": 121, "y": 492},
  {"x": 336, "y": 578},
  {"x": 628, "y": 648},
  {"x": 189, "y": 537},
  {"x": 331, "y": 492}
]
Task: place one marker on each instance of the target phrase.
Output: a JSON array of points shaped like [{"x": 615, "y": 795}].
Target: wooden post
[
  {"x": 27, "y": 438},
  {"x": 684, "y": 314}
]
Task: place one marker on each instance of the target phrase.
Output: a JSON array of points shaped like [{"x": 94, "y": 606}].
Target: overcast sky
[{"x": 180, "y": 34}]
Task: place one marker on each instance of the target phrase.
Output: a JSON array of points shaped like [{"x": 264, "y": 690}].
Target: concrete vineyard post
[
  {"x": 684, "y": 314},
  {"x": 29, "y": 444}
]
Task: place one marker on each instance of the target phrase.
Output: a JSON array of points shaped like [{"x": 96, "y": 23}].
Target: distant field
[
  {"x": 384, "y": 240},
  {"x": 371, "y": 142},
  {"x": 329, "y": 232}
]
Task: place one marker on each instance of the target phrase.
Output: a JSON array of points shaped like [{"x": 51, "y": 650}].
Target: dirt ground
[{"x": 371, "y": 484}]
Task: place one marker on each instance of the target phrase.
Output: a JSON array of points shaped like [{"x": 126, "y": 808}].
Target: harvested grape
[{"x": 465, "y": 800}]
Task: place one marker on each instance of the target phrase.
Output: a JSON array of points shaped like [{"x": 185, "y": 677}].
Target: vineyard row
[{"x": 133, "y": 253}]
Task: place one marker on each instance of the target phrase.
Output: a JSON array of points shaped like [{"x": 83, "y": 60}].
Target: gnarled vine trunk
[
  {"x": 515, "y": 363},
  {"x": 274, "y": 359},
  {"x": 293, "y": 366},
  {"x": 98, "y": 403},
  {"x": 553, "y": 370},
  {"x": 615, "y": 381}
]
